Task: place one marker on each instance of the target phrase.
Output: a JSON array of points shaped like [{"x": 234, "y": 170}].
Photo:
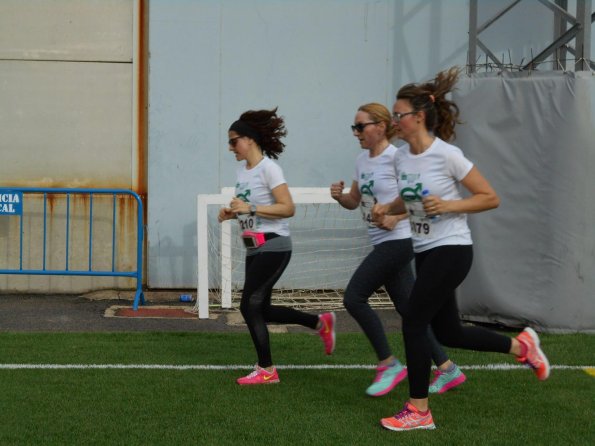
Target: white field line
[{"x": 488, "y": 367}]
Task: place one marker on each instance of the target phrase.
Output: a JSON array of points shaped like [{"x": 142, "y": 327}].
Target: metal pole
[
  {"x": 472, "y": 35},
  {"x": 559, "y": 29},
  {"x": 583, "y": 38}
]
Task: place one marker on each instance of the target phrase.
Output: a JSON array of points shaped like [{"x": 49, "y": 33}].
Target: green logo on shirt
[
  {"x": 412, "y": 193},
  {"x": 366, "y": 189},
  {"x": 244, "y": 196}
]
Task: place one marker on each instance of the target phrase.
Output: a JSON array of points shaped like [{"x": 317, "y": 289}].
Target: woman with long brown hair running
[{"x": 430, "y": 171}]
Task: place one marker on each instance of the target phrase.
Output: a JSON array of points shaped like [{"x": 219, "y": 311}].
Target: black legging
[
  {"x": 439, "y": 272},
  {"x": 262, "y": 272},
  {"x": 388, "y": 265}
]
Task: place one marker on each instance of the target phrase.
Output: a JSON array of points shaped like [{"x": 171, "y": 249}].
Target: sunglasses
[
  {"x": 233, "y": 141},
  {"x": 398, "y": 116},
  {"x": 361, "y": 126}
]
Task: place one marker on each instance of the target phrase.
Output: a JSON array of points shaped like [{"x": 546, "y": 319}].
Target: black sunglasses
[
  {"x": 361, "y": 126},
  {"x": 233, "y": 141}
]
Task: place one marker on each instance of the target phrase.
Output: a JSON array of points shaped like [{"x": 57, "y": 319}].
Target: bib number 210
[{"x": 247, "y": 222}]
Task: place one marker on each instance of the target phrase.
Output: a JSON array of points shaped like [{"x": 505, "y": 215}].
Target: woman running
[
  {"x": 430, "y": 171},
  {"x": 389, "y": 263},
  {"x": 262, "y": 205}
]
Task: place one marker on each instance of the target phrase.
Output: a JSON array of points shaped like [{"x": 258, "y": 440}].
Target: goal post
[
  {"x": 328, "y": 242},
  {"x": 202, "y": 241}
]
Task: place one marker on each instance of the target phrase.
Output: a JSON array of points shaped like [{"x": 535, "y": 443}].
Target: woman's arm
[
  {"x": 483, "y": 197},
  {"x": 395, "y": 207},
  {"x": 349, "y": 200},
  {"x": 282, "y": 208},
  {"x": 388, "y": 222}
]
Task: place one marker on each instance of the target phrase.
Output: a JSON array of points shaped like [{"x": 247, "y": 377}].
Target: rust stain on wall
[
  {"x": 142, "y": 108},
  {"x": 142, "y": 115},
  {"x": 80, "y": 200},
  {"x": 126, "y": 232},
  {"x": 87, "y": 183},
  {"x": 50, "y": 202},
  {"x": 79, "y": 218}
]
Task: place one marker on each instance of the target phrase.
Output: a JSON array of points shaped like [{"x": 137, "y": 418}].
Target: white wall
[
  {"x": 210, "y": 61},
  {"x": 316, "y": 60}
]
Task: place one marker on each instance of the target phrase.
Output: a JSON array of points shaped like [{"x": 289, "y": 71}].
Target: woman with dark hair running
[
  {"x": 262, "y": 205},
  {"x": 430, "y": 171},
  {"x": 389, "y": 263}
]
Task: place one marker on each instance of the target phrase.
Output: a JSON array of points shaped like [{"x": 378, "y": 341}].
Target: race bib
[
  {"x": 421, "y": 224},
  {"x": 247, "y": 222},
  {"x": 366, "y": 204}
]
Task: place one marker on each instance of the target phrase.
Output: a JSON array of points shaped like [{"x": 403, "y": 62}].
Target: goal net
[{"x": 329, "y": 242}]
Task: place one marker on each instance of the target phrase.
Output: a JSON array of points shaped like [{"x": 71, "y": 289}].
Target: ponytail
[{"x": 442, "y": 114}]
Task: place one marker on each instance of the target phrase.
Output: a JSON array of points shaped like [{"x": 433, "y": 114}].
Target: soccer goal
[{"x": 329, "y": 242}]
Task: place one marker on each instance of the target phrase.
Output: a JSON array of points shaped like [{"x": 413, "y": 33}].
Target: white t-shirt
[
  {"x": 438, "y": 170},
  {"x": 254, "y": 186},
  {"x": 377, "y": 182}
]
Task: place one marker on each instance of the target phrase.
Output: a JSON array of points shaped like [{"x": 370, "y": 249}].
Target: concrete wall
[
  {"x": 316, "y": 60},
  {"x": 66, "y": 89},
  {"x": 70, "y": 93}
]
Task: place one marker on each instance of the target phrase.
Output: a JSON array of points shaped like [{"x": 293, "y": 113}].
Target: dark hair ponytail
[
  {"x": 442, "y": 115},
  {"x": 265, "y": 128}
]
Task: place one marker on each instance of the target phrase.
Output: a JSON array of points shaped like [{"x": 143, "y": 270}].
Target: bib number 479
[{"x": 420, "y": 228}]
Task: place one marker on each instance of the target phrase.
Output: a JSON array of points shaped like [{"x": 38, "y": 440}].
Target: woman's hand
[
  {"x": 225, "y": 214},
  {"x": 239, "y": 206},
  {"x": 351, "y": 199},
  {"x": 434, "y": 205},
  {"x": 379, "y": 211},
  {"x": 388, "y": 222},
  {"x": 337, "y": 190}
]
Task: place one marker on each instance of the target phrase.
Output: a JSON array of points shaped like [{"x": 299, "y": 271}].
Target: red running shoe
[
  {"x": 534, "y": 357},
  {"x": 259, "y": 376},
  {"x": 327, "y": 331}
]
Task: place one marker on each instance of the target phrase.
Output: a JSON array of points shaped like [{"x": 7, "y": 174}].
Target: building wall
[
  {"x": 316, "y": 60},
  {"x": 66, "y": 89},
  {"x": 72, "y": 102}
]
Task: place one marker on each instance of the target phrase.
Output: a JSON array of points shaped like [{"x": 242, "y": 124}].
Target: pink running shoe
[
  {"x": 327, "y": 331},
  {"x": 534, "y": 357},
  {"x": 259, "y": 376},
  {"x": 408, "y": 419}
]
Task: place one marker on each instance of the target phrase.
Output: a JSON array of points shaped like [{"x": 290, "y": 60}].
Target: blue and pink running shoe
[
  {"x": 387, "y": 377},
  {"x": 444, "y": 381}
]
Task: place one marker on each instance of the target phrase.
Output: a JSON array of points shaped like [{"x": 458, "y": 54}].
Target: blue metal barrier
[{"x": 12, "y": 203}]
